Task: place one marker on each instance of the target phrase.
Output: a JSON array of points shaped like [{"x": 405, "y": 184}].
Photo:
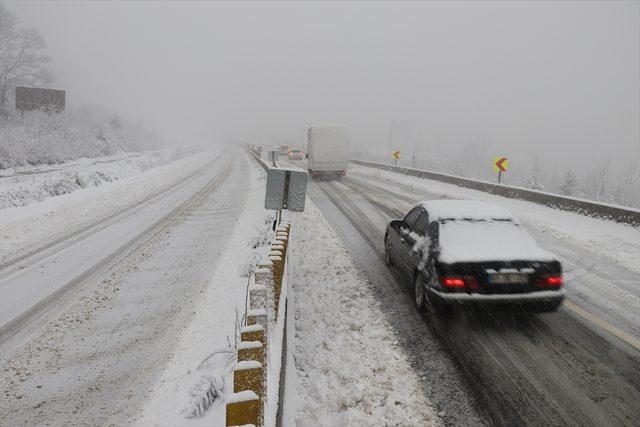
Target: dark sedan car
[{"x": 456, "y": 252}]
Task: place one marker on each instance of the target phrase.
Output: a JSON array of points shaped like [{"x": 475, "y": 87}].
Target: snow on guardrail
[
  {"x": 256, "y": 155},
  {"x": 259, "y": 370},
  {"x": 586, "y": 207}
]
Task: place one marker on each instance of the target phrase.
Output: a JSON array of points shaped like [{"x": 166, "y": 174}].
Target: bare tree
[{"x": 22, "y": 61}]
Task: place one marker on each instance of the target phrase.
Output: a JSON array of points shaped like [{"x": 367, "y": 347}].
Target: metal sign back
[{"x": 286, "y": 189}]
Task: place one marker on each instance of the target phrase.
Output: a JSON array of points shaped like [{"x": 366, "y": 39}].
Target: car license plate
[{"x": 501, "y": 278}]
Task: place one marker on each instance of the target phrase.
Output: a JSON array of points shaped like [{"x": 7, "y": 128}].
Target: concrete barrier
[{"x": 585, "y": 207}]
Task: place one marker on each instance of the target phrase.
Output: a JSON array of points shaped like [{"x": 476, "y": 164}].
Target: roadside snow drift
[{"x": 350, "y": 368}]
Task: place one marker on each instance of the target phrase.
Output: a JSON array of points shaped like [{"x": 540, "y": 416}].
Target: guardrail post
[
  {"x": 264, "y": 273},
  {"x": 257, "y": 316},
  {"x": 278, "y": 270},
  {"x": 247, "y": 375},
  {"x": 244, "y": 408},
  {"x": 252, "y": 333},
  {"x": 251, "y": 350}
]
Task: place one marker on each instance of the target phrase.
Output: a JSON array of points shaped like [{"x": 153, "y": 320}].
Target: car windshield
[{"x": 484, "y": 240}]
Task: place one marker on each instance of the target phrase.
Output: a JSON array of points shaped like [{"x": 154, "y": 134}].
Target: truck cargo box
[{"x": 327, "y": 149}]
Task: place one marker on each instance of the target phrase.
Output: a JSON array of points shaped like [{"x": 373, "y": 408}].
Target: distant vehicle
[
  {"x": 457, "y": 252},
  {"x": 284, "y": 148},
  {"x": 327, "y": 150},
  {"x": 295, "y": 154}
]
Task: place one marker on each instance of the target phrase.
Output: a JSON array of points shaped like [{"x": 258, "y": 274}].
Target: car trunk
[{"x": 515, "y": 276}]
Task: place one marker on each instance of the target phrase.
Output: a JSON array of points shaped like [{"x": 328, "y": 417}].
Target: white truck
[{"x": 327, "y": 150}]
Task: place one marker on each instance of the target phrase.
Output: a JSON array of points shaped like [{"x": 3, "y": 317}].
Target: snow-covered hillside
[{"x": 36, "y": 138}]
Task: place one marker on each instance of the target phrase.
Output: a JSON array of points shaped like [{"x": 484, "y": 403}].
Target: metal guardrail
[
  {"x": 261, "y": 162},
  {"x": 585, "y": 207}
]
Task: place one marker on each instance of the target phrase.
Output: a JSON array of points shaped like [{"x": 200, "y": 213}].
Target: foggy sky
[{"x": 560, "y": 80}]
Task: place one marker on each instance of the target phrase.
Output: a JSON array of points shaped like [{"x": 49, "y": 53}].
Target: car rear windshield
[{"x": 485, "y": 240}]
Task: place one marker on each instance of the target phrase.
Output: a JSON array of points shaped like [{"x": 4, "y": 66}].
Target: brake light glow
[
  {"x": 550, "y": 281},
  {"x": 554, "y": 280},
  {"x": 453, "y": 282}
]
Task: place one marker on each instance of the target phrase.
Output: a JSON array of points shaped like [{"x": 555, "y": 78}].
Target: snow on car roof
[
  {"x": 465, "y": 209},
  {"x": 476, "y": 241}
]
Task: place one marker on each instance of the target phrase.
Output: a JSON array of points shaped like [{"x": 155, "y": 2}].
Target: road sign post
[
  {"x": 500, "y": 164},
  {"x": 273, "y": 158}
]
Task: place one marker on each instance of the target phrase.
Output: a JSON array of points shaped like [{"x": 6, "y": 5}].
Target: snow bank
[
  {"x": 618, "y": 243},
  {"x": 25, "y": 185},
  {"x": 350, "y": 370}
]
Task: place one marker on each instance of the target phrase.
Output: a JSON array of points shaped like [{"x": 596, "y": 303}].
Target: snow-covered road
[
  {"x": 32, "y": 284},
  {"x": 110, "y": 296},
  {"x": 105, "y": 344},
  {"x": 577, "y": 366}
]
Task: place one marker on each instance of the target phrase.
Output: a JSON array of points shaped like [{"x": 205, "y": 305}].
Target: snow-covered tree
[
  {"x": 598, "y": 180},
  {"x": 570, "y": 184},
  {"x": 627, "y": 190},
  {"x": 534, "y": 183},
  {"x": 22, "y": 61}
]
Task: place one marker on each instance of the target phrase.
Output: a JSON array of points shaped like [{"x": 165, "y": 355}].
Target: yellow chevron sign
[{"x": 500, "y": 164}]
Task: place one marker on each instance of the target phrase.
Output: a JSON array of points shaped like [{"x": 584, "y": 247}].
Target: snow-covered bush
[{"x": 35, "y": 138}]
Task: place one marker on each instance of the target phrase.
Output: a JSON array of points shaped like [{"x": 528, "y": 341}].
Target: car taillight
[
  {"x": 553, "y": 281},
  {"x": 453, "y": 282},
  {"x": 471, "y": 282},
  {"x": 462, "y": 282},
  {"x": 550, "y": 281}
]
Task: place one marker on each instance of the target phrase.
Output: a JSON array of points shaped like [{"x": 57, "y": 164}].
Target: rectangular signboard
[
  {"x": 39, "y": 99},
  {"x": 286, "y": 189}
]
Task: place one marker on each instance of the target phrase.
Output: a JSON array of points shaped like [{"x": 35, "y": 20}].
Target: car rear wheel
[{"x": 436, "y": 305}]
